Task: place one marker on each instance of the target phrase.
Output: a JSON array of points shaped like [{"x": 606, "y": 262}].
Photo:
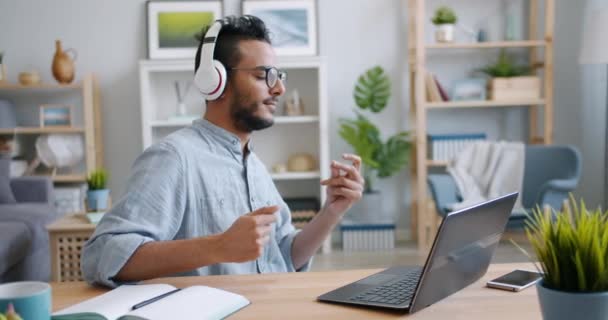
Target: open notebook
[{"x": 195, "y": 302}]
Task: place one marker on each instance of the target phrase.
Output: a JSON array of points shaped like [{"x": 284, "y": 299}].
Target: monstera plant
[{"x": 381, "y": 158}]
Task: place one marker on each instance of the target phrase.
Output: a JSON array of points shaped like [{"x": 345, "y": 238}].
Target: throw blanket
[{"x": 486, "y": 170}]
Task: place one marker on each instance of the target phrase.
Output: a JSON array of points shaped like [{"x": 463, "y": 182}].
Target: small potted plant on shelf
[
  {"x": 511, "y": 81},
  {"x": 444, "y": 20},
  {"x": 97, "y": 195},
  {"x": 572, "y": 249},
  {"x": 379, "y": 158}
]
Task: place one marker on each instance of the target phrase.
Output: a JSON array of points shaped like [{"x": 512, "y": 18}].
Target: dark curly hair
[{"x": 234, "y": 29}]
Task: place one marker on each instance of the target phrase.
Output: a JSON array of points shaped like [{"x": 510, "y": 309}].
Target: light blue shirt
[{"x": 193, "y": 183}]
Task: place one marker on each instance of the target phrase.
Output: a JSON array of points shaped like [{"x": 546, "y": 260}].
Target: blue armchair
[
  {"x": 24, "y": 241},
  {"x": 550, "y": 173}
]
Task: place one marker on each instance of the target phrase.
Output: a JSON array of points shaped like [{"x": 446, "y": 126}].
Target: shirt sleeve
[
  {"x": 151, "y": 210},
  {"x": 285, "y": 235}
]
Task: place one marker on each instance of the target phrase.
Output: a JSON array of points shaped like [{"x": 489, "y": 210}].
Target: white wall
[
  {"x": 592, "y": 104},
  {"x": 110, "y": 38}
]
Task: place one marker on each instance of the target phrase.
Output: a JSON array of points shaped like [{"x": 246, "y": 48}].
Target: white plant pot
[
  {"x": 368, "y": 210},
  {"x": 444, "y": 33}
]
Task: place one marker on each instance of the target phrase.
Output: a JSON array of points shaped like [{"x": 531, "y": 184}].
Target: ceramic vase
[{"x": 63, "y": 64}]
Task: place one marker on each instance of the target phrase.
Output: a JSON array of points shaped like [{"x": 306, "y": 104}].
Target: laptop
[{"x": 460, "y": 255}]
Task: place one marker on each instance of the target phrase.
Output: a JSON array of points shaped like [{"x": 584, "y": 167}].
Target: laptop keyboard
[{"x": 396, "y": 292}]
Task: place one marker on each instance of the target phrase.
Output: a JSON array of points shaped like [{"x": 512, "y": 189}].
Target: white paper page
[
  {"x": 119, "y": 301},
  {"x": 196, "y": 302}
]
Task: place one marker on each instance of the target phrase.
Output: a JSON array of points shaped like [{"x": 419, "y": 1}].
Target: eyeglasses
[{"x": 272, "y": 74}]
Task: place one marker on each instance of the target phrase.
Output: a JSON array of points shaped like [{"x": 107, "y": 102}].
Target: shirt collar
[{"x": 224, "y": 137}]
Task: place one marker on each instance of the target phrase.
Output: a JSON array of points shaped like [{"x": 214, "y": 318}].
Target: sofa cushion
[
  {"x": 6, "y": 194},
  {"x": 15, "y": 242}
]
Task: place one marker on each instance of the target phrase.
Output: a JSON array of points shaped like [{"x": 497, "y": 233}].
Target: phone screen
[{"x": 518, "y": 278}]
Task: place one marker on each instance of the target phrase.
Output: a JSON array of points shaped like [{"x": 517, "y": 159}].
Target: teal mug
[{"x": 30, "y": 299}]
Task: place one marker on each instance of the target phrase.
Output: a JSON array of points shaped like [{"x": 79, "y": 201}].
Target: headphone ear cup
[{"x": 223, "y": 77}]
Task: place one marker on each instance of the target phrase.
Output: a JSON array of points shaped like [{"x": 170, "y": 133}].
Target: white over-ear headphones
[{"x": 210, "y": 78}]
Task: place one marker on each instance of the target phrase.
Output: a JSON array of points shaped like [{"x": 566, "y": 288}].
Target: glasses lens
[{"x": 272, "y": 74}]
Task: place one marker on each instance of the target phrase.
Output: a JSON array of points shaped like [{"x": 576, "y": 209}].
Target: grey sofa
[{"x": 24, "y": 241}]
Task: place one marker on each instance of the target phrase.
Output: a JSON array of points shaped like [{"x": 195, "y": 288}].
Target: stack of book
[
  {"x": 361, "y": 237},
  {"x": 302, "y": 210},
  {"x": 435, "y": 92},
  {"x": 443, "y": 147}
]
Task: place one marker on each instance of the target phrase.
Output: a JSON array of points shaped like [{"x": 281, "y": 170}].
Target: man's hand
[
  {"x": 343, "y": 189},
  {"x": 246, "y": 238}
]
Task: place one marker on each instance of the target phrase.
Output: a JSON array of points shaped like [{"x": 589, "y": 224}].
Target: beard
[{"x": 244, "y": 115}]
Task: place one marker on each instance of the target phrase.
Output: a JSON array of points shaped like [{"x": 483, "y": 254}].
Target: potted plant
[
  {"x": 97, "y": 195},
  {"x": 444, "y": 20},
  {"x": 572, "y": 249},
  {"x": 379, "y": 158},
  {"x": 511, "y": 81}
]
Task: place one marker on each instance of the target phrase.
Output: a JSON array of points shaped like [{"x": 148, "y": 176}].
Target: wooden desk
[{"x": 292, "y": 296}]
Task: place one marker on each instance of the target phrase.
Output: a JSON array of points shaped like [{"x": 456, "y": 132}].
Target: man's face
[{"x": 254, "y": 103}]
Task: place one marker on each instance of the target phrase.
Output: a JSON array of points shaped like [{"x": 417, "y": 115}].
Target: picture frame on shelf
[
  {"x": 173, "y": 26},
  {"x": 471, "y": 89},
  {"x": 292, "y": 24},
  {"x": 55, "y": 115}
]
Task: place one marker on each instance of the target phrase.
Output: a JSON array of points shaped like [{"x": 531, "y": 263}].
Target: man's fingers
[
  {"x": 264, "y": 230},
  {"x": 342, "y": 182},
  {"x": 351, "y": 171},
  {"x": 348, "y": 193},
  {"x": 354, "y": 158},
  {"x": 335, "y": 172},
  {"x": 265, "y": 211}
]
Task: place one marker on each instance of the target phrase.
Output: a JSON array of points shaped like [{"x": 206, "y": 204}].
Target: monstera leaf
[
  {"x": 373, "y": 90},
  {"x": 379, "y": 158}
]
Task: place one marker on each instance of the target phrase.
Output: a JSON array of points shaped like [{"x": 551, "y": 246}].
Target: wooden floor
[{"x": 404, "y": 254}]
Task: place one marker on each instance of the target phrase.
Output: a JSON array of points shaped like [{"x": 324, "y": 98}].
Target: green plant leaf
[
  {"x": 572, "y": 248},
  {"x": 444, "y": 15},
  {"x": 372, "y": 90}
]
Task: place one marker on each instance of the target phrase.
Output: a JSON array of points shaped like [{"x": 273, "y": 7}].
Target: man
[{"x": 200, "y": 202}]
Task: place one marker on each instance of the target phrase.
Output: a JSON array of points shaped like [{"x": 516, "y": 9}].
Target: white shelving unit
[{"x": 307, "y": 133}]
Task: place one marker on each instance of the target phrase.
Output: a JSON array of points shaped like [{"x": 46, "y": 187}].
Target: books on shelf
[
  {"x": 443, "y": 147},
  {"x": 302, "y": 210},
  {"x": 435, "y": 92},
  {"x": 195, "y": 302},
  {"x": 357, "y": 237}
]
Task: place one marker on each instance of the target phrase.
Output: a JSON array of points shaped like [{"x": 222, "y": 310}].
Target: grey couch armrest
[
  {"x": 444, "y": 191},
  {"x": 33, "y": 189}
]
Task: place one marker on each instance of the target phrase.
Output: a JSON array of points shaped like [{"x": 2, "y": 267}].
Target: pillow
[{"x": 6, "y": 193}]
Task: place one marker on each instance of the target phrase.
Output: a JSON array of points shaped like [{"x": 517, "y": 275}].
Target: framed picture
[
  {"x": 173, "y": 26},
  {"x": 469, "y": 89},
  {"x": 55, "y": 115},
  {"x": 292, "y": 24}
]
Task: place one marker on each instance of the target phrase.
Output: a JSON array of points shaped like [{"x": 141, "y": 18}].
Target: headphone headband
[{"x": 210, "y": 78}]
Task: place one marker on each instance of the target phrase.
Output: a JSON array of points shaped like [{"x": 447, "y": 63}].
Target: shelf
[
  {"x": 296, "y": 175},
  {"x": 40, "y": 130},
  {"x": 477, "y": 45},
  {"x": 296, "y": 119},
  {"x": 40, "y": 86},
  {"x": 436, "y": 163},
  {"x": 483, "y": 103},
  {"x": 67, "y": 177}
]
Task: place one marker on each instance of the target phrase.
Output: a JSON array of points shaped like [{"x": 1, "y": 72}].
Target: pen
[{"x": 147, "y": 302}]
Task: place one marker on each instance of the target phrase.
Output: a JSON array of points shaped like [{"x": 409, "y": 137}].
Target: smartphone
[{"x": 516, "y": 280}]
